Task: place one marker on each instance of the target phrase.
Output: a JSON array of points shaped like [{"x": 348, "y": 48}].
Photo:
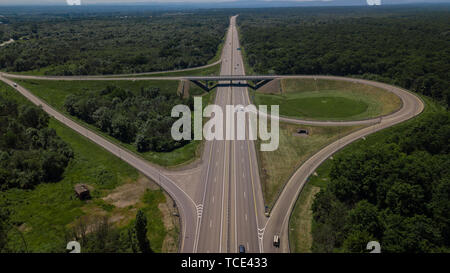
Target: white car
[{"x": 15, "y": 84}]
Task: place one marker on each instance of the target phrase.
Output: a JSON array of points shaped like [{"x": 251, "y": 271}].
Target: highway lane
[
  {"x": 186, "y": 205},
  {"x": 213, "y": 231},
  {"x": 232, "y": 198},
  {"x": 247, "y": 212},
  {"x": 158, "y": 72}
]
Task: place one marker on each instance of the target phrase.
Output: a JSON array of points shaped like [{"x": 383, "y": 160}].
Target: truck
[{"x": 276, "y": 241}]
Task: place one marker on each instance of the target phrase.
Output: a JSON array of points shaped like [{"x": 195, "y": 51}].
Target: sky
[{"x": 35, "y": 2}]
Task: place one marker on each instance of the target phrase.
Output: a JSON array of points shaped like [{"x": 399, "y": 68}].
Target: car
[
  {"x": 276, "y": 241},
  {"x": 240, "y": 109},
  {"x": 15, "y": 84},
  {"x": 241, "y": 249}
]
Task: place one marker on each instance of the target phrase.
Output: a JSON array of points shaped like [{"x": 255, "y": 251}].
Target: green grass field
[
  {"x": 277, "y": 166},
  {"x": 55, "y": 92},
  {"x": 301, "y": 218},
  {"x": 44, "y": 213},
  {"x": 330, "y": 100}
]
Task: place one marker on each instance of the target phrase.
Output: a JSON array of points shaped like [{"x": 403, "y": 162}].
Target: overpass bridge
[{"x": 253, "y": 82}]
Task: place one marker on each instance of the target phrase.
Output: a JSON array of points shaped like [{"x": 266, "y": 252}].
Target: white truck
[{"x": 276, "y": 241}]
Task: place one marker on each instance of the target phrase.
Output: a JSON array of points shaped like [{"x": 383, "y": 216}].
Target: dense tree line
[
  {"x": 30, "y": 152},
  {"x": 4, "y": 228},
  {"x": 407, "y": 46},
  {"x": 143, "y": 118},
  {"x": 110, "y": 44},
  {"x": 395, "y": 192}
]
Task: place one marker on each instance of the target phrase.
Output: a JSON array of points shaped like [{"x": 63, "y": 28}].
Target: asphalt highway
[
  {"x": 226, "y": 210},
  {"x": 232, "y": 195}
]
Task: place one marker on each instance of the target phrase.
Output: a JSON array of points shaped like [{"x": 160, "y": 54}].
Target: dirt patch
[
  {"x": 129, "y": 194},
  {"x": 24, "y": 228},
  {"x": 183, "y": 88}
]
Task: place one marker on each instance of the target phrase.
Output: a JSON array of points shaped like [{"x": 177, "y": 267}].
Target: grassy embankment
[
  {"x": 44, "y": 214},
  {"x": 330, "y": 100},
  {"x": 276, "y": 167},
  {"x": 301, "y": 221}
]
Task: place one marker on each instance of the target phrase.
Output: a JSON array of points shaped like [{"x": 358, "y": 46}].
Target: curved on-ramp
[
  {"x": 278, "y": 222},
  {"x": 186, "y": 206}
]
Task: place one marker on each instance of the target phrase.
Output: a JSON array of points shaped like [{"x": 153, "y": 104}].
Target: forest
[
  {"x": 395, "y": 192},
  {"x": 30, "y": 152},
  {"x": 143, "y": 118},
  {"x": 405, "y": 46},
  {"x": 109, "y": 43}
]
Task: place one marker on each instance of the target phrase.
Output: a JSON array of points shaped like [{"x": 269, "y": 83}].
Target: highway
[
  {"x": 232, "y": 198},
  {"x": 226, "y": 208}
]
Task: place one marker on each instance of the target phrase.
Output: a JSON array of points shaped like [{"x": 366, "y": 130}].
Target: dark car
[{"x": 241, "y": 249}]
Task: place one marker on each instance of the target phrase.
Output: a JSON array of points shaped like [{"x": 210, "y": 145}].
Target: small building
[{"x": 82, "y": 191}]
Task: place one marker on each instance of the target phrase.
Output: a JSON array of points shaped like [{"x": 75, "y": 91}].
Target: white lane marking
[
  {"x": 244, "y": 194},
  {"x": 246, "y": 217},
  {"x": 200, "y": 218},
  {"x": 261, "y": 233},
  {"x": 235, "y": 199},
  {"x": 210, "y": 223},
  {"x": 213, "y": 199},
  {"x": 199, "y": 210}
]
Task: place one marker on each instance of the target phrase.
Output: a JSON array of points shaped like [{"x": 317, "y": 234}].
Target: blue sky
[{"x": 34, "y": 2}]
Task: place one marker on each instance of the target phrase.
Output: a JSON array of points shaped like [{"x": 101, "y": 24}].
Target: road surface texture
[
  {"x": 224, "y": 208},
  {"x": 232, "y": 199}
]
